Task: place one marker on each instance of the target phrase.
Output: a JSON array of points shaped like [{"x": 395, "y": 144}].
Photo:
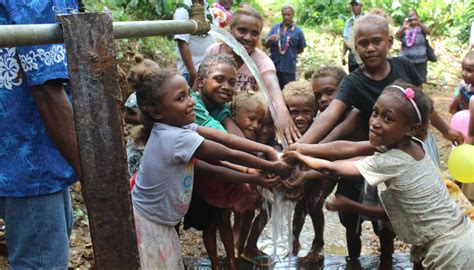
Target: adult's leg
[
  {"x": 284, "y": 78},
  {"x": 37, "y": 230},
  {"x": 422, "y": 69}
]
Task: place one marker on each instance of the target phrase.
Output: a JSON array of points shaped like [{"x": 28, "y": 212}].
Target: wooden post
[{"x": 97, "y": 111}]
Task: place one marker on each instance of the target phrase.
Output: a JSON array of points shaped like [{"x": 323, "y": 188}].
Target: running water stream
[{"x": 282, "y": 210}]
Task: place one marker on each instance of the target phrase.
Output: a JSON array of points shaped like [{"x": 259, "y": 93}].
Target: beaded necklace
[
  {"x": 410, "y": 37},
  {"x": 288, "y": 38}
]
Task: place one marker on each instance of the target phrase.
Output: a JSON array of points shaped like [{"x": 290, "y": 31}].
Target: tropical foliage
[{"x": 445, "y": 17}]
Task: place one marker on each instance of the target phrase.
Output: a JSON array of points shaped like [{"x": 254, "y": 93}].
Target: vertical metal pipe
[{"x": 97, "y": 111}]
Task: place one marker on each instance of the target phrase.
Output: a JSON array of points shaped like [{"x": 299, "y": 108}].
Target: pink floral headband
[{"x": 410, "y": 95}]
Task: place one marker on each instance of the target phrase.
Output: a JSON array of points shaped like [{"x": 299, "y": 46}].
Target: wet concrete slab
[{"x": 400, "y": 261}]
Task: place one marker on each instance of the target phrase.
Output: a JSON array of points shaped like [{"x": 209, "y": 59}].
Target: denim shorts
[{"x": 37, "y": 230}]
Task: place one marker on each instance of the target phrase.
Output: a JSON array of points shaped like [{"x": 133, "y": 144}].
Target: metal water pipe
[{"x": 38, "y": 34}]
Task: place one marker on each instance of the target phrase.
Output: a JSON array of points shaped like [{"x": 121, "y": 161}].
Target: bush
[{"x": 445, "y": 17}]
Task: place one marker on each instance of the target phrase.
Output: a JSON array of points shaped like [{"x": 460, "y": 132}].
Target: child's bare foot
[
  {"x": 256, "y": 257},
  {"x": 315, "y": 255}
]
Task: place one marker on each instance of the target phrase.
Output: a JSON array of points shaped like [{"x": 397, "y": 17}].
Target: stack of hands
[{"x": 291, "y": 176}]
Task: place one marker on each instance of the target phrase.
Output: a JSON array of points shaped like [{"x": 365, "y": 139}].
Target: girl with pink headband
[{"x": 410, "y": 186}]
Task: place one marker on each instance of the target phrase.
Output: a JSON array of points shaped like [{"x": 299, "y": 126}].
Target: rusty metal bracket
[{"x": 97, "y": 112}]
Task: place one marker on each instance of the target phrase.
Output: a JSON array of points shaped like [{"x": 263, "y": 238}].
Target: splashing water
[
  {"x": 282, "y": 210},
  {"x": 228, "y": 39}
]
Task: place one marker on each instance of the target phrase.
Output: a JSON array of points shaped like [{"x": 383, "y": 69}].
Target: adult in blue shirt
[
  {"x": 285, "y": 41},
  {"x": 348, "y": 45},
  {"x": 37, "y": 143}
]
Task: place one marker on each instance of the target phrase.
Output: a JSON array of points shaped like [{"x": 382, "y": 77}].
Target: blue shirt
[
  {"x": 30, "y": 165},
  {"x": 286, "y": 62}
]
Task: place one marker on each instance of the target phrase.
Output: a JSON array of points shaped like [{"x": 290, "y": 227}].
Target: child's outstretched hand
[
  {"x": 272, "y": 154},
  {"x": 294, "y": 194},
  {"x": 266, "y": 182},
  {"x": 282, "y": 168},
  {"x": 297, "y": 181},
  {"x": 291, "y": 157},
  {"x": 338, "y": 203}
]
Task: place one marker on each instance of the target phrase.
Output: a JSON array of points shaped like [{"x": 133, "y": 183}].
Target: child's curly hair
[
  {"x": 422, "y": 101},
  {"x": 247, "y": 99},
  {"x": 151, "y": 87},
  {"x": 329, "y": 71},
  {"x": 142, "y": 68},
  {"x": 299, "y": 89},
  {"x": 213, "y": 60}
]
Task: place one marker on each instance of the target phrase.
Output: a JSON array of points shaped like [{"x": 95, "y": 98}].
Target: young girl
[
  {"x": 413, "y": 194},
  {"x": 164, "y": 184},
  {"x": 248, "y": 112},
  {"x": 413, "y": 36},
  {"x": 246, "y": 27},
  {"x": 464, "y": 91},
  {"x": 215, "y": 85}
]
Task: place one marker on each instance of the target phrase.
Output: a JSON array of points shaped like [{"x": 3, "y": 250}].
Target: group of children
[{"x": 210, "y": 154}]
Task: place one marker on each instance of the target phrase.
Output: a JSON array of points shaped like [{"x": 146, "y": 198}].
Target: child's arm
[
  {"x": 470, "y": 131},
  {"x": 340, "y": 167},
  {"x": 323, "y": 124},
  {"x": 302, "y": 177},
  {"x": 335, "y": 150},
  {"x": 456, "y": 137},
  {"x": 229, "y": 175},
  {"x": 347, "y": 129},
  {"x": 238, "y": 143},
  {"x": 453, "y": 107},
  {"x": 212, "y": 152},
  {"x": 232, "y": 128},
  {"x": 342, "y": 203}
]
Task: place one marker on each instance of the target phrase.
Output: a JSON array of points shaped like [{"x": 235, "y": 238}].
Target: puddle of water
[{"x": 400, "y": 261}]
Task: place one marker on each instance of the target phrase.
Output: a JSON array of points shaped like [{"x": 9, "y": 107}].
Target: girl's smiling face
[
  {"x": 177, "y": 106},
  {"x": 250, "y": 120},
  {"x": 372, "y": 43},
  {"x": 247, "y": 32},
  {"x": 267, "y": 131},
  {"x": 218, "y": 86},
  {"x": 389, "y": 125}
]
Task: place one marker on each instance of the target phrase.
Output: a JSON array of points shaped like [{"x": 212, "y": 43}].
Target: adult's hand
[
  {"x": 290, "y": 131},
  {"x": 285, "y": 122}
]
